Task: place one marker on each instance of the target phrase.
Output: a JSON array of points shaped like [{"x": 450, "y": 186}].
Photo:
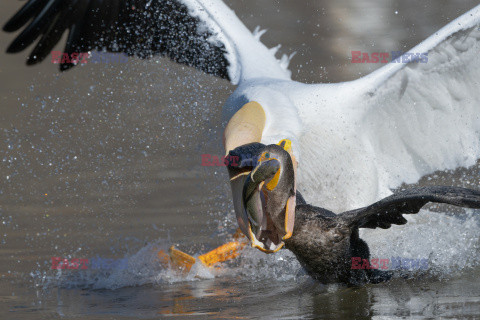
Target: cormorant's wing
[
  {"x": 388, "y": 211},
  {"x": 204, "y": 34},
  {"x": 419, "y": 117}
]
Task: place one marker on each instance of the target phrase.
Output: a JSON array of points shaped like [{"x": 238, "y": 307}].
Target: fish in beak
[{"x": 269, "y": 198}]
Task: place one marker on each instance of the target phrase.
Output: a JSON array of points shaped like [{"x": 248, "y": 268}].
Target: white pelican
[{"x": 390, "y": 127}]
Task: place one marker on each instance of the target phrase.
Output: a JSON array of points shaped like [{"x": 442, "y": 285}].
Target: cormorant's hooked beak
[{"x": 269, "y": 198}]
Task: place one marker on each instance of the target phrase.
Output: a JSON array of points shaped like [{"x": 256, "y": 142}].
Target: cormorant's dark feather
[{"x": 388, "y": 211}]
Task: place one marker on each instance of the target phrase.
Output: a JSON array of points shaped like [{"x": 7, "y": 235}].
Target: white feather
[
  {"x": 258, "y": 33},
  {"x": 248, "y": 57}
]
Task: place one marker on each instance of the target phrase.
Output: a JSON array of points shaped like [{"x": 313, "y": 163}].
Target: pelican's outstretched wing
[
  {"x": 401, "y": 122},
  {"x": 418, "y": 117},
  {"x": 358, "y": 140},
  {"x": 204, "y": 34},
  {"x": 388, "y": 211}
]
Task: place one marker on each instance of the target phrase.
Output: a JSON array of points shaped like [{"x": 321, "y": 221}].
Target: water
[{"x": 105, "y": 161}]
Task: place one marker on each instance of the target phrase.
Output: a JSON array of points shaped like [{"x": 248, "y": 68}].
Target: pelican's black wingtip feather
[
  {"x": 42, "y": 22},
  {"x": 142, "y": 28},
  {"x": 28, "y": 11},
  {"x": 66, "y": 66},
  {"x": 31, "y": 60}
]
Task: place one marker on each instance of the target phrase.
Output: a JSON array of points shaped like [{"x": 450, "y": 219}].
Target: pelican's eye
[{"x": 267, "y": 155}]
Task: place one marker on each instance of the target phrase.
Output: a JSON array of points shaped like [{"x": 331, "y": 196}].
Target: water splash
[{"x": 450, "y": 243}]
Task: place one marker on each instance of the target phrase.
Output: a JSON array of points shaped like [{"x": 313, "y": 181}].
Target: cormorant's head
[{"x": 269, "y": 198}]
